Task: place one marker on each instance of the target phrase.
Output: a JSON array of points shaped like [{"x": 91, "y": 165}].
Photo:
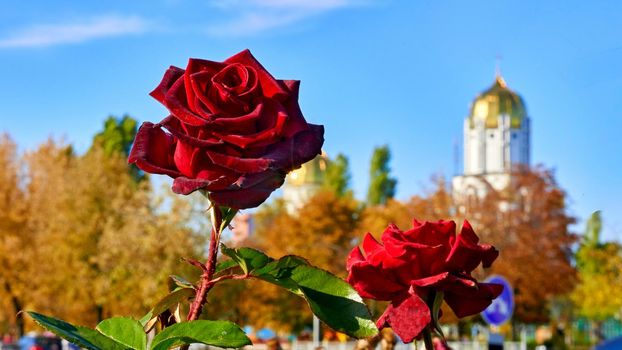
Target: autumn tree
[
  {"x": 14, "y": 239},
  {"x": 381, "y": 184},
  {"x": 529, "y": 224},
  {"x": 82, "y": 239},
  {"x": 116, "y": 138},
  {"x": 117, "y": 135},
  {"x": 598, "y": 295},
  {"x": 109, "y": 250}
]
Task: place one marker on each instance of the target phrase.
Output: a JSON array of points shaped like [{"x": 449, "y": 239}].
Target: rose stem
[
  {"x": 427, "y": 339},
  {"x": 210, "y": 267}
]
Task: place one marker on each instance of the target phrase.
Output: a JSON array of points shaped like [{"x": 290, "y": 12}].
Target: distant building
[
  {"x": 496, "y": 141},
  {"x": 241, "y": 228},
  {"x": 302, "y": 183}
]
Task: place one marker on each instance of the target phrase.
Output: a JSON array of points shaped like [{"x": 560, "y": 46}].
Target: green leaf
[
  {"x": 126, "y": 331},
  {"x": 181, "y": 282},
  {"x": 217, "y": 333},
  {"x": 279, "y": 272},
  {"x": 334, "y": 301},
  {"x": 227, "y": 216},
  {"x": 82, "y": 336},
  {"x": 225, "y": 265},
  {"x": 281, "y": 268},
  {"x": 170, "y": 300},
  {"x": 249, "y": 259}
]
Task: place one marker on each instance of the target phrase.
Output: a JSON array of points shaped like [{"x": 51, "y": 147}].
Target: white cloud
[
  {"x": 287, "y": 4},
  {"x": 75, "y": 32},
  {"x": 255, "y": 16}
]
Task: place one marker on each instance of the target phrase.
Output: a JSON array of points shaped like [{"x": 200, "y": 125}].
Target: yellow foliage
[{"x": 84, "y": 241}]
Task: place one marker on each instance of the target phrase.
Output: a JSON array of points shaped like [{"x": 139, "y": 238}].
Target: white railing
[{"x": 350, "y": 345}]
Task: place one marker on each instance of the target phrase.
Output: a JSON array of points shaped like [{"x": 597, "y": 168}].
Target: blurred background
[{"x": 505, "y": 113}]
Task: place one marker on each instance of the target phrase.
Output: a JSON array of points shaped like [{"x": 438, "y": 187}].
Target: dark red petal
[
  {"x": 244, "y": 124},
  {"x": 296, "y": 121},
  {"x": 234, "y": 78},
  {"x": 293, "y": 86},
  {"x": 273, "y": 116},
  {"x": 431, "y": 233},
  {"x": 488, "y": 252},
  {"x": 171, "y": 75},
  {"x": 474, "y": 302},
  {"x": 269, "y": 85},
  {"x": 396, "y": 244},
  {"x": 153, "y": 151},
  {"x": 239, "y": 164},
  {"x": 175, "y": 101},
  {"x": 196, "y": 65},
  {"x": 373, "y": 282},
  {"x": 174, "y": 126},
  {"x": 370, "y": 244},
  {"x": 184, "y": 185},
  {"x": 407, "y": 317},
  {"x": 292, "y": 153},
  {"x": 434, "y": 282},
  {"x": 209, "y": 68},
  {"x": 248, "y": 197},
  {"x": 355, "y": 256},
  {"x": 448, "y": 282},
  {"x": 184, "y": 156},
  {"x": 466, "y": 254}
]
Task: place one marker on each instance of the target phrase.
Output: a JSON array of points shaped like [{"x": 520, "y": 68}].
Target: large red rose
[
  {"x": 409, "y": 267},
  {"x": 234, "y": 131}
]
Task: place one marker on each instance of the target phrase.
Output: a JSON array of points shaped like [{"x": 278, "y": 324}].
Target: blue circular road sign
[{"x": 500, "y": 311}]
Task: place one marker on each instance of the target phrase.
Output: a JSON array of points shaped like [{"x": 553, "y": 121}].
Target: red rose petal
[
  {"x": 184, "y": 185},
  {"x": 407, "y": 317},
  {"x": 370, "y": 244},
  {"x": 396, "y": 245},
  {"x": 209, "y": 68},
  {"x": 296, "y": 122},
  {"x": 293, "y": 152},
  {"x": 355, "y": 256},
  {"x": 474, "y": 303},
  {"x": 175, "y": 99},
  {"x": 248, "y": 197},
  {"x": 152, "y": 151},
  {"x": 244, "y": 124},
  {"x": 176, "y": 128},
  {"x": 270, "y": 132},
  {"x": 269, "y": 85},
  {"x": 239, "y": 164},
  {"x": 431, "y": 233},
  {"x": 372, "y": 282},
  {"x": 432, "y": 281},
  {"x": 466, "y": 254},
  {"x": 171, "y": 75}
]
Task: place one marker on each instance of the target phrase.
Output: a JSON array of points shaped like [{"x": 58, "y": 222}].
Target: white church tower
[{"x": 496, "y": 140}]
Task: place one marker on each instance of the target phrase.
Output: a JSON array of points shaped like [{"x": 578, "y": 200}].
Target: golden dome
[
  {"x": 311, "y": 172},
  {"x": 496, "y": 101}
]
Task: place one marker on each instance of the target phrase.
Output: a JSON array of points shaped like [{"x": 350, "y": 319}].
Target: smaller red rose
[{"x": 411, "y": 266}]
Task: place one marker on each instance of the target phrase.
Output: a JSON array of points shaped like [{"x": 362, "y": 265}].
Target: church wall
[{"x": 494, "y": 150}]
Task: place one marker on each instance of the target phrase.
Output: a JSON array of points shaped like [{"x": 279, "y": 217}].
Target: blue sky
[{"x": 372, "y": 71}]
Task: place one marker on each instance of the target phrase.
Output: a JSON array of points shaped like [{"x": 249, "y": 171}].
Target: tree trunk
[{"x": 17, "y": 307}]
